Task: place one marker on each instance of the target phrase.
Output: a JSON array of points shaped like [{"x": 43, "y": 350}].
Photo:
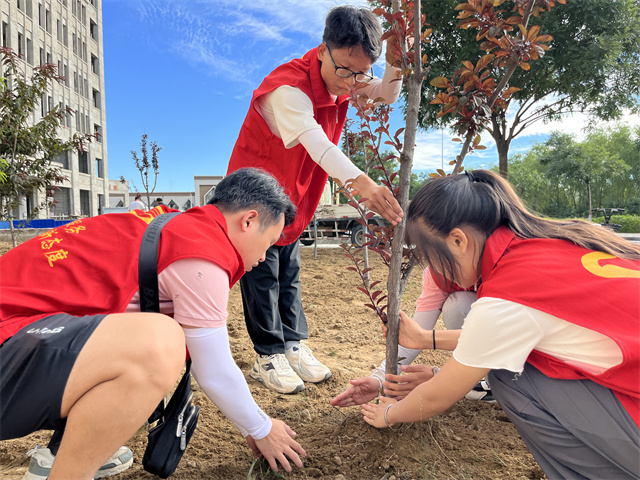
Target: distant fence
[
  {"x": 35, "y": 223},
  {"x": 29, "y": 229}
]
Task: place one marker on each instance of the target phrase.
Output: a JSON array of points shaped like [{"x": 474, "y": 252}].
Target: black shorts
[{"x": 35, "y": 365}]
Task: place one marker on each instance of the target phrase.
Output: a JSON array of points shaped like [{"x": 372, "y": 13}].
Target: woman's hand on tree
[
  {"x": 410, "y": 334},
  {"x": 399, "y": 386}
]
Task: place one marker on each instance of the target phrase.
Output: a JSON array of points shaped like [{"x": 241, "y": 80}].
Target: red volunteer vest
[
  {"x": 302, "y": 179},
  {"x": 585, "y": 287},
  {"x": 90, "y": 266}
]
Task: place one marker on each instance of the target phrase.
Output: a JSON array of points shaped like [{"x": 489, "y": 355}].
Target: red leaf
[
  {"x": 441, "y": 82},
  {"x": 484, "y": 61}
]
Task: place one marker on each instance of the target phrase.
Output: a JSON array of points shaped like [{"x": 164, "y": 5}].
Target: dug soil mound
[{"x": 472, "y": 440}]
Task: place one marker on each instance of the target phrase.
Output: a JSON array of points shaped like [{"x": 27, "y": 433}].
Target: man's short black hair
[
  {"x": 253, "y": 188},
  {"x": 349, "y": 26}
]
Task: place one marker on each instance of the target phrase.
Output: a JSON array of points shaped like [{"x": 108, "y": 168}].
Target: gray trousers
[
  {"x": 575, "y": 429},
  {"x": 272, "y": 301}
]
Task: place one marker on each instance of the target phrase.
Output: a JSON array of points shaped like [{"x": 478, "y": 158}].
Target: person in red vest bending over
[
  {"x": 554, "y": 329},
  {"x": 78, "y": 355},
  {"x": 292, "y": 130}
]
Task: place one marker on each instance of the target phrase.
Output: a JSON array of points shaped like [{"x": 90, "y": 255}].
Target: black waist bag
[{"x": 176, "y": 420}]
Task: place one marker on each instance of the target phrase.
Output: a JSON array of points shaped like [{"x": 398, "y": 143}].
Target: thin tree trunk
[
  {"x": 394, "y": 283},
  {"x": 589, "y": 194}
]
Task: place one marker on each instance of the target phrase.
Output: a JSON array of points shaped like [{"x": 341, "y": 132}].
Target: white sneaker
[
  {"x": 305, "y": 364},
  {"x": 42, "y": 461},
  {"x": 275, "y": 373}
]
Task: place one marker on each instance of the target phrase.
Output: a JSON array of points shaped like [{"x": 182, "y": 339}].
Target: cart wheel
[{"x": 357, "y": 235}]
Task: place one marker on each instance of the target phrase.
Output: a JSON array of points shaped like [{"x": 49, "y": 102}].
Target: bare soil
[{"x": 472, "y": 440}]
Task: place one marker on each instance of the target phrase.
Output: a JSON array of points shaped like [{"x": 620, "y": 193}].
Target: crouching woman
[{"x": 555, "y": 328}]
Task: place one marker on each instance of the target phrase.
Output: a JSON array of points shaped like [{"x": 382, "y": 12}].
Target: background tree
[
  {"x": 592, "y": 65},
  {"x": 555, "y": 176},
  {"x": 27, "y": 147},
  {"x": 146, "y": 167}
]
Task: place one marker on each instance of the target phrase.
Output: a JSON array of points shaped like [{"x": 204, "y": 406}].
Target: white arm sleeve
[
  {"x": 329, "y": 156},
  {"x": 223, "y": 382},
  {"x": 289, "y": 113},
  {"x": 426, "y": 320}
]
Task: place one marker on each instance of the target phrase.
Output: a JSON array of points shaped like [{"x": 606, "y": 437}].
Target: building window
[
  {"x": 29, "y": 51},
  {"x": 187, "y": 205},
  {"x": 41, "y": 15},
  {"x": 65, "y": 34},
  {"x": 73, "y": 6},
  {"x": 42, "y": 61},
  {"x": 84, "y": 51},
  {"x": 96, "y": 98},
  {"x": 86, "y": 87},
  {"x": 43, "y": 105},
  {"x": 69, "y": 116},
  {"x": 85, "y": 203},
  {"x": 84, "y": 15},
  {"x": 49, "y": 58},
  {"x": 99, "y": 168},
  {"x": 95, "y": 64},
  {"x": 66, "y": 74},
  {"x": 29, "y": 9},
  {"x": 83, "y": 162},
  {"x": 93, "y": 29},
  {"x": 20, "y": 44},
  {"x": 75, "y": 83},
  {"x": 5, "y": 34},
  {"x": 62, "y": 159},
  {"x": 62, "y": 202},
  {"x": 48, "y": 20},
  {"x": 97, "y": 129},
  {"x": 74, "y": 44},
  {"x": 59, "y": 30},
  {"x": 20, "y": 4}
]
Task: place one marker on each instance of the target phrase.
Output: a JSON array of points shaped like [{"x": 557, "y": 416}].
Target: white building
[{"x": 68, "y": 34}]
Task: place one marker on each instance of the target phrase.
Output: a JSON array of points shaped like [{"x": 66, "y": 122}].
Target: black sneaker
[{"x": 482, "y": 392}]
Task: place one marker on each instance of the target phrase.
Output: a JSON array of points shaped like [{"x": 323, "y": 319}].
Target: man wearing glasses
[{"x": 292, "y": 130}]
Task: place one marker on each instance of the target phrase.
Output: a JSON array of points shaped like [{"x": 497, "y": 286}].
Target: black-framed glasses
[{"x": 343, "y": 72}]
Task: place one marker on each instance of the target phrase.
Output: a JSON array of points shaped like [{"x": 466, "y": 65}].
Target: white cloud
[{"x": 238, "y": 39}]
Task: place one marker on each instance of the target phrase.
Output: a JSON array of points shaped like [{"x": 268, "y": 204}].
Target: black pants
[{"x": 272, "y": 301}]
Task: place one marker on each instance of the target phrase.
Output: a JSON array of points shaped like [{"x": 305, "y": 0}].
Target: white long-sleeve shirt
[{"x": 288, "y": 112}]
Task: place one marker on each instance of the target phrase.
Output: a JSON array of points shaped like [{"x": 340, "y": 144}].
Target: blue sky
[{"x": 183, "y": 71}]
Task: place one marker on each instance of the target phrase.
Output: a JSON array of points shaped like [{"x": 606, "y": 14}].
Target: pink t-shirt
[
  {"x": 432, "y": 297},
  {"x": 194, "y": 291}
]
